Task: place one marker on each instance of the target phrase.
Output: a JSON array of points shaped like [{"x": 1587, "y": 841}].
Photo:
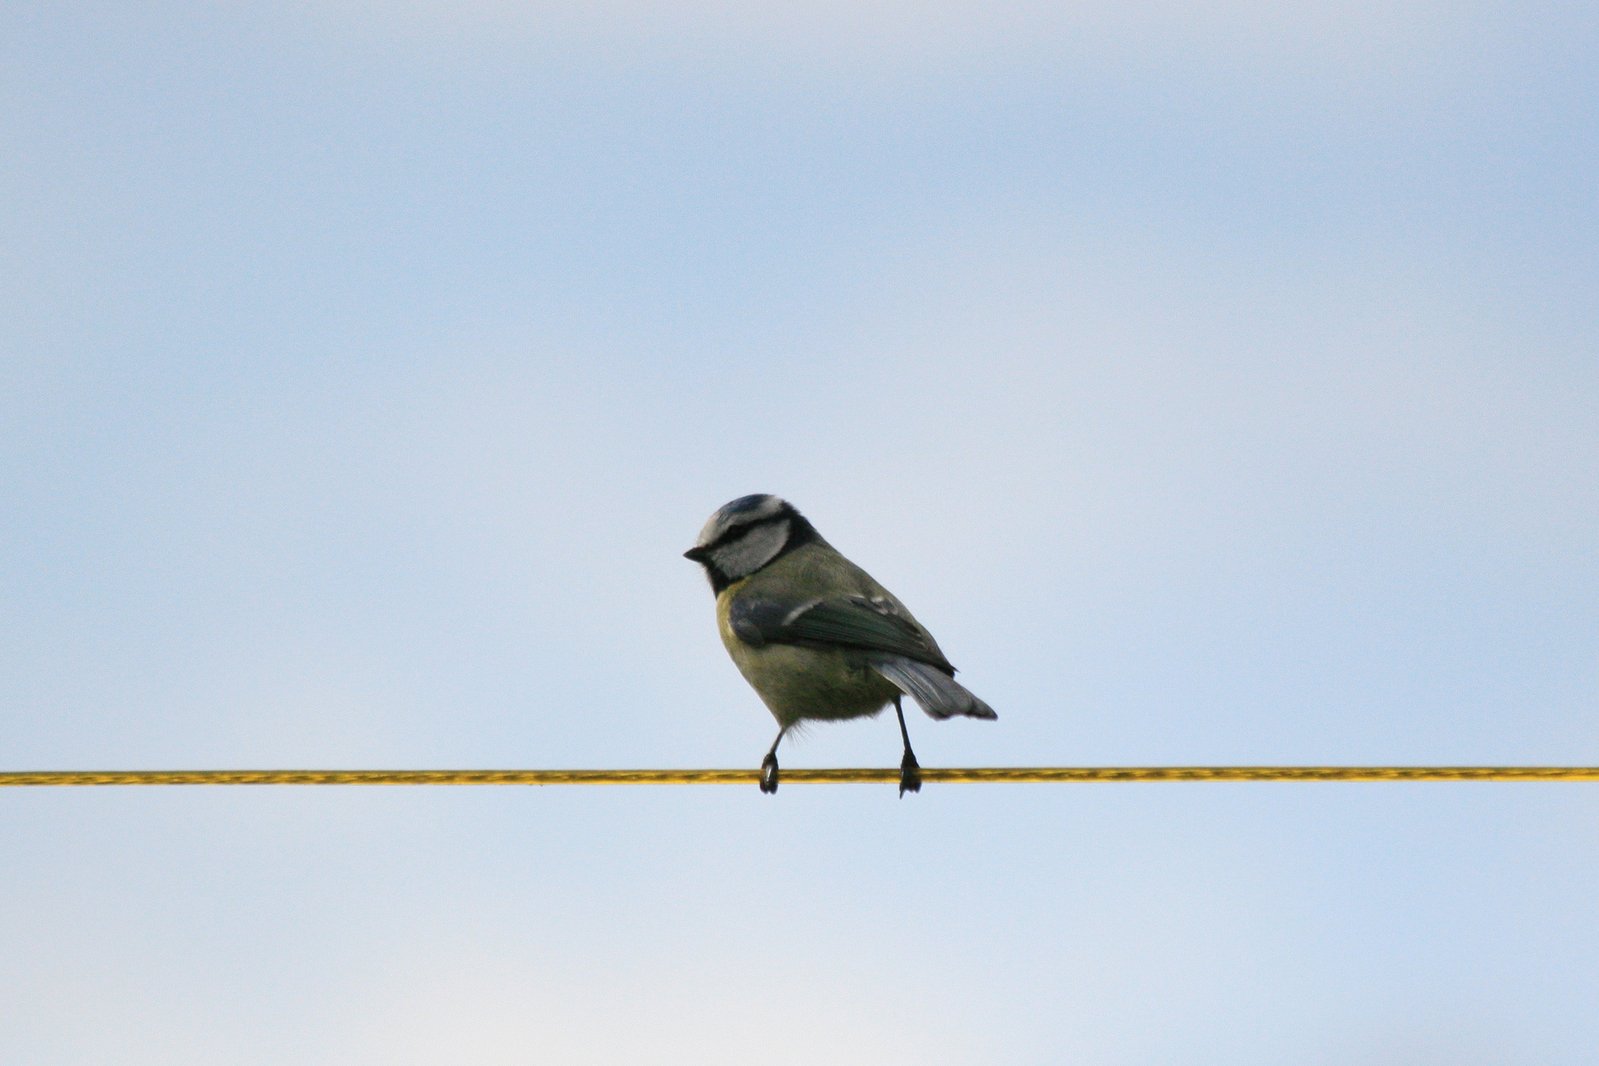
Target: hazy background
[{"x": 1220, "y": 384}]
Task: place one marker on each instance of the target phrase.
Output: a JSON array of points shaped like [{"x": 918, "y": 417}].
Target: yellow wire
[{"x": 997, "y": 774}]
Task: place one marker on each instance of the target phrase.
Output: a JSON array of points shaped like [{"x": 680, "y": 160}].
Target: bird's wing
[{"x": 869, "y": 623}]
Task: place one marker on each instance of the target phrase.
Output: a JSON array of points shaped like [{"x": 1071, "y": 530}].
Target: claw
[
  {"x": 769, "y": 773},
  {"x": 910, "y": 775}
]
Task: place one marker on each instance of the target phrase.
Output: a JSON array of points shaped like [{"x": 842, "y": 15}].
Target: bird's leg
[
  {"x": 769, "y": 764},
  {"x": 910, "y": 771}
]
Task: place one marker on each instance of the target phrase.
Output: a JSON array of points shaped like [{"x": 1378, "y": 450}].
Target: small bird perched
[{"x": 813, "y": 634}]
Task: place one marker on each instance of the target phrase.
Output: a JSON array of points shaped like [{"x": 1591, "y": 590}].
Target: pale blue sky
[{"x": 1219, "y": 386}]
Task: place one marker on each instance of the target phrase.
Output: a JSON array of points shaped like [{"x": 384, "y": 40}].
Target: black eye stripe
[{"x": 732, "y": 533}]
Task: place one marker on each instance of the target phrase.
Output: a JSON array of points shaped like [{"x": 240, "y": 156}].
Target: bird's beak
[{"x": 696, "y": 553}]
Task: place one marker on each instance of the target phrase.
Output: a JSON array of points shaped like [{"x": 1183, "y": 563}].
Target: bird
[{"x": 814, "y": 635}]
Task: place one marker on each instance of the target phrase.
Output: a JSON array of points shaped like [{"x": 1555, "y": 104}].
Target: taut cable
[{"x": 984, "y": 775}]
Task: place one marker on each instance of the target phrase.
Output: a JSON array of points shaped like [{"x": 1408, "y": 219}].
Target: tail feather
[{"x": 940, "y": 695}]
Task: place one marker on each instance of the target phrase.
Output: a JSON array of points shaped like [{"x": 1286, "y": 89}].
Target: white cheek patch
[{"x": 748, "y": 553}]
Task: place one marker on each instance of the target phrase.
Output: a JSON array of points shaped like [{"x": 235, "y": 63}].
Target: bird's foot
[
  {"x": 769, "y": 773},
  {"x": 910, "y": 775}
]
